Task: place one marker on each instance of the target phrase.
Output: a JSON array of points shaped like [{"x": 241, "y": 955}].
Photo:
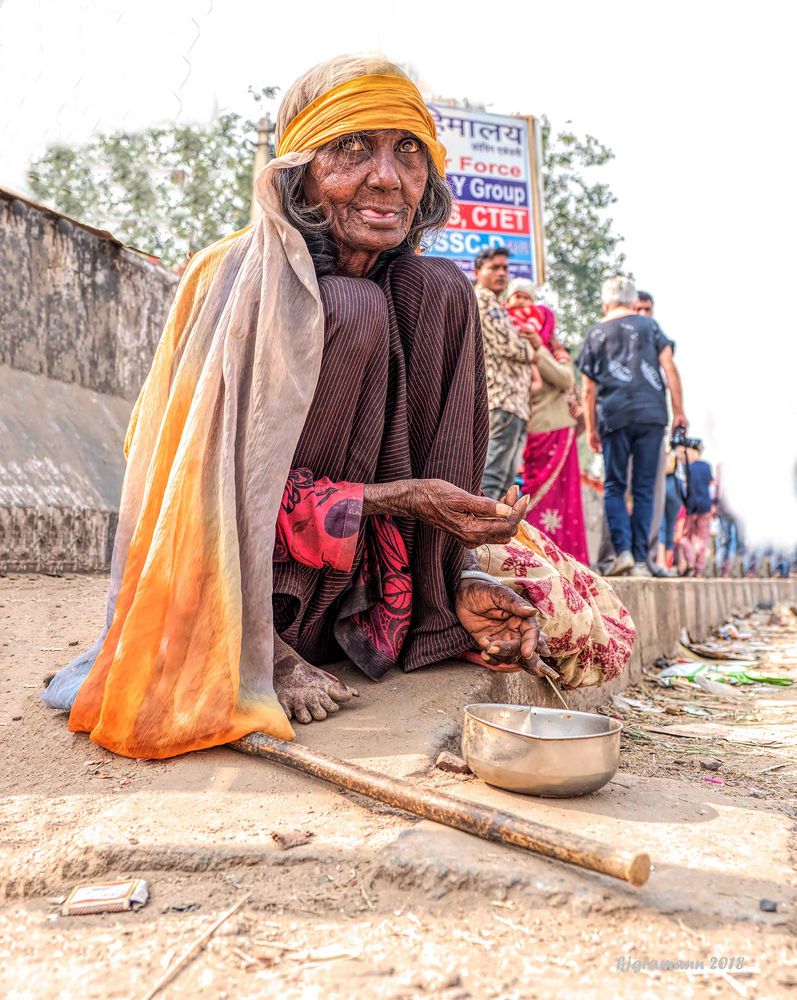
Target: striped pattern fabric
[{"x": 401, "y": 395}]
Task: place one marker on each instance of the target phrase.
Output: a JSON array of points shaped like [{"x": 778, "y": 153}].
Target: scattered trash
[
  {"x": 296, "y": 838},
  {"x": 75, "y": 642},
  {"x": 768, "y": 906},
  {"x": 716, "y": 651},
  {"x": 16, "y": 718},
  {"x": 691, "y": 669},
  {"x": 730, "y": 631},
  {"x": 107, "y": 897},
  {"x": 715, "y": 781},
  {"x": 622, "y": 703},
  {"x": 710, "y": 731},
  {"x": 775, "y": 767},
  {"x": 714, "y": 687},
  {"x": 711, "y": 764},
  {"x": 450, "y": 762},
  {"x": 182, "y": 907},
  {"x": 695, "y": 710}
]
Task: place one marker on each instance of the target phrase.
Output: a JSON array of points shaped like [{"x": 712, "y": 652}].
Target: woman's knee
[
  {"x": 444, "y": 276},
  {"x": 356, "y": 324},
  {"x": 355, "y": 309}
]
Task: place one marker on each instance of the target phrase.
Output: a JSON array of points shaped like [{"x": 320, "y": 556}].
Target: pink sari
[{"x": 552, "y": 479}]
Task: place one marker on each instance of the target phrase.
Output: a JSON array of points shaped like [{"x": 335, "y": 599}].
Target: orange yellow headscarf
[{"x": 366, "y": 102}]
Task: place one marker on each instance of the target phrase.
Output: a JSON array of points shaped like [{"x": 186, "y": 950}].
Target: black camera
[{"x": 680, "y": 440}]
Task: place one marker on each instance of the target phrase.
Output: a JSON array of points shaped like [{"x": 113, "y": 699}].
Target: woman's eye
[
  {"x": 409, "y": 146},
  {"x": 351, "y": 144}
]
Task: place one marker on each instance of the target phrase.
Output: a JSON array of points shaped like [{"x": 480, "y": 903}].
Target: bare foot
[{"x": 304, "y": 691}]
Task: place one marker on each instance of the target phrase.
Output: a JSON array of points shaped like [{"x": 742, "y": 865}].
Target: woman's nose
[{"x": 384, "y": 170}]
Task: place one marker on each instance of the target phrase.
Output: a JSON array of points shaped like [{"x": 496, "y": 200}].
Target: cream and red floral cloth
[{"x": 590, "y": 635}]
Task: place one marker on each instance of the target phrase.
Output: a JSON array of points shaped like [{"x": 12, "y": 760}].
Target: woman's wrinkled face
[{"x": 370, "y": 185}]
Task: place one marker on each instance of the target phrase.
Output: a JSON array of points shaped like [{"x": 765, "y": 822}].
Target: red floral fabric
[
  {"x": 319, "y": 522},
  {"x": 589, "y": 633},
  {"x": 319, "y": 525}
]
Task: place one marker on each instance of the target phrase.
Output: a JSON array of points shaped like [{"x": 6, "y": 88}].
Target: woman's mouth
[{"x": 380, "y": 216}]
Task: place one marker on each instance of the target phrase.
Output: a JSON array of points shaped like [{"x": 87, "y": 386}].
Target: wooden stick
[
  {"x": 194, "y": 949},
  {"x": 557, "y": 692},
  {"x": 471, "y": 817}
]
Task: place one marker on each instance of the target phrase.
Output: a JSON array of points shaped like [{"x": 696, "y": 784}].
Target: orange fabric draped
[{"x": 167, "y": 678}]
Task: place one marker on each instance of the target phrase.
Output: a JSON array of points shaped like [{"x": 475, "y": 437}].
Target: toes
[
  {"x": 327, "y": 703},
  {"x": 301, "y": 714},
  {"x": 338, "y": 691},
  {"x": 315, "y": 708},
  {"x": 335, "y": 688}
]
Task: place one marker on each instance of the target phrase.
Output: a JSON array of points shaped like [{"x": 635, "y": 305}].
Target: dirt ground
[{"x": 378, "y": 904}]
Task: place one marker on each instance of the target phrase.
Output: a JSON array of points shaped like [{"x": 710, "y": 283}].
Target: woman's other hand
[
  {"x": 502, "y": 623},
  {"x": 472, "y": 520}
]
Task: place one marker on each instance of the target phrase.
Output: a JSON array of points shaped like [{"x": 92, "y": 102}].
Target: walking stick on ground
[{"x": 471, "y": 817}]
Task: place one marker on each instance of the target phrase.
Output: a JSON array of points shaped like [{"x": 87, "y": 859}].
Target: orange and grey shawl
[{"x": 185, "y": 661}]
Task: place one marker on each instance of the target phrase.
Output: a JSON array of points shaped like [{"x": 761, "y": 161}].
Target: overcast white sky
[{"x": 696, "y": 99}]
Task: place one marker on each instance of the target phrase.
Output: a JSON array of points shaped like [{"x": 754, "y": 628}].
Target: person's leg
[
  {"x": 659, "y": 502},
  {"x": 672, "y": 506},
  {"x": 702, "y": 540},
  {"x": 341, "y": 441},
  {"x": 687, "y": 545},
  {"x": 645, "y": 442},
  {"x": 616, "y": 450},
  {"x": 501, "y": 452}
]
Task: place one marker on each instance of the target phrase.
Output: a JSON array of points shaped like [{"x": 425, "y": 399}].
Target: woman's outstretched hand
[
  {"x": 502, "y": 623},
  {"x": 472, "y": 520}
]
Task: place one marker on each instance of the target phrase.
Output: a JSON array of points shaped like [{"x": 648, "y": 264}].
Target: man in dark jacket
[{"x": 628, "y": 366}]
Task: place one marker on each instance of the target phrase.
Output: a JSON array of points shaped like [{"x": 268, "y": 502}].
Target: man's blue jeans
[
  {"x": 641, "y": 443},
  {"x": 507, "y": 437}
]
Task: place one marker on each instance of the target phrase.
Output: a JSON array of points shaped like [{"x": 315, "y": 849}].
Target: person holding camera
[{"x": 627, "y": 364}]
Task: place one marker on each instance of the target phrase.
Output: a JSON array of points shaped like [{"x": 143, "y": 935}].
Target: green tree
[
  {"x": 166, "y": 190},
  {"x": 582, "y": 248}
]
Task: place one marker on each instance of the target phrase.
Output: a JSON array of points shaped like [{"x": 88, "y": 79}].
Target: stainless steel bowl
[{"x": 540, "y": 751}]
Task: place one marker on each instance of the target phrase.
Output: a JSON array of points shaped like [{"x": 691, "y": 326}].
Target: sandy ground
[{"x": 378, "y": 904}]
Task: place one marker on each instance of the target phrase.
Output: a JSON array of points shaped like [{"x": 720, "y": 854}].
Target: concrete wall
[
  {"x": 74, "y": 304},
  {"x": 61, "y": 470},
  {"x": 80, "y": 317},
  {"x": 660, "y": 608}
]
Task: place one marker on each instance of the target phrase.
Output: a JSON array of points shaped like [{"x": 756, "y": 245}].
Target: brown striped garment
[{"x": 401, "y": 395}]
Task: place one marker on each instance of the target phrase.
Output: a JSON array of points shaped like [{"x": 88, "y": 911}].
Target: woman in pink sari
[{"x": 552, "y": 475}]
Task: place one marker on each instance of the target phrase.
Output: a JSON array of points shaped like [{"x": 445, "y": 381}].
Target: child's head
[{"x": 520, "y": 292}]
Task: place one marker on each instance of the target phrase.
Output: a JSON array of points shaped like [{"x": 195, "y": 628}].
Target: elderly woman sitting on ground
[{"x": 317, "y": 349}]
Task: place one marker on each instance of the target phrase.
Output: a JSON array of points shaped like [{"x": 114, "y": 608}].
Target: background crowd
[{"x": 665, "y": 512}]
